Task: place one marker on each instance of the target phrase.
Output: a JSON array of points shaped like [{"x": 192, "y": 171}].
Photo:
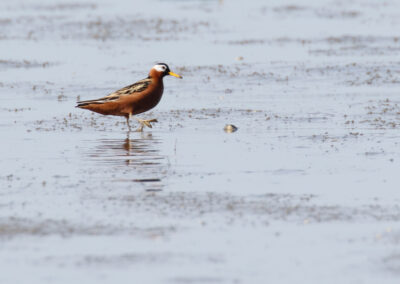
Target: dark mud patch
[
  {"x": 347, "y": 45},
  {"x": 12, "y": 227},
  {"x": 22, "y": 109},
  {"x": 293, "y": 10},
  {"x": 347, "y": 74},
  {"x": 101, "y": 28},
  {"x": 66, "y": 6},
  {"x": 173, "y": 119},
  {"x": 199, "y": 280},
  {"x": 129, "y": 259},
  {"x": 296, "y": 75},
  {"x": 268, "y": 207},
  {"x": 148, "y": 258},
  {"x": 379, "y": 114},
  {"x": 289, "y": 8},
  {"x": 338, "y": 14},
  {"x": 254, "y": 120},
  {"x": 355, "y": 50},
  {"x": 143, "y": 29},
  {"x": 6, "y": 64}
]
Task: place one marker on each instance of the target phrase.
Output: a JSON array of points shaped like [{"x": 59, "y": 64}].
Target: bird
[{"x": 133, "y": 99}]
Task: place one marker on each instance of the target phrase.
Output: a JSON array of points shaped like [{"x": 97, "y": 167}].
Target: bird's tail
[{"x": 82, "y": 104}]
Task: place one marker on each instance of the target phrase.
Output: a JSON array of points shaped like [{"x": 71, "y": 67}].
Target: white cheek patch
[{"x": 160, "y": 68}]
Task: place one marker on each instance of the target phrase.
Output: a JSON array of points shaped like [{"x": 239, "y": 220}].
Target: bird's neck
[{"x": 155, "y": 75}]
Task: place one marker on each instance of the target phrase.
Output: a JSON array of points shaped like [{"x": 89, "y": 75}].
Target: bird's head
[{"x": 161, "y": 70}]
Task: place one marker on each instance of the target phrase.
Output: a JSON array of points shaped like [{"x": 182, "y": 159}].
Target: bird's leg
[
  {"x": 127, "y": 121},
  {"x": 144, "y": 123}
]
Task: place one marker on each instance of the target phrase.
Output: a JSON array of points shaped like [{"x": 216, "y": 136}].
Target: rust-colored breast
[{"x": 145, "y": 100}]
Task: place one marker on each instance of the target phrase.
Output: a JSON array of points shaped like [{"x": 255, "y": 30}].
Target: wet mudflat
[{"x": 306, "y": 189}]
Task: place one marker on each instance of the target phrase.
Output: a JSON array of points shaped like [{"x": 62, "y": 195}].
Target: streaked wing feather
[
  {"x": 126, "y": 91},
  {"x": 134, "y": 88}
]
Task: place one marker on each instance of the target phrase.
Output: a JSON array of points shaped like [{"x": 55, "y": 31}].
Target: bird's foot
[{"x": 144, "y": 123}]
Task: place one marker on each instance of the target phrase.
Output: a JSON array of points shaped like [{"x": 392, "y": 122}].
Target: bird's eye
[{"x": 160, "y": 67}]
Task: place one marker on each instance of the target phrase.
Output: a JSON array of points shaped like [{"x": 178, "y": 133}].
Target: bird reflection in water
[{"x": 135, "y": 160}]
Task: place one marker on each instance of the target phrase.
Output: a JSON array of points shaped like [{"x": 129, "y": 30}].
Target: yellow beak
[{"x": 175, "y": 75}]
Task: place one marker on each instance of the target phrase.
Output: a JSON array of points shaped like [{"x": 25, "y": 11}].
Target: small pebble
[{"x": 229, "y": 128}]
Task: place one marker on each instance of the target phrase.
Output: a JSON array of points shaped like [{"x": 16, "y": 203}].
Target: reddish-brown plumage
[{"x": 134, "y": 99}]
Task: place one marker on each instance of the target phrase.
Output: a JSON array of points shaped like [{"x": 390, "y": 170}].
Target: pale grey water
[{"x": 305, "y": 191}]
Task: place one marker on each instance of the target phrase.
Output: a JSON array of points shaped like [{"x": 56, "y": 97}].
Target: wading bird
[{"x": 133, "y": 99}]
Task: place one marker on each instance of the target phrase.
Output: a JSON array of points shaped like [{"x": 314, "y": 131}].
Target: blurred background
[{"x": 305, "y": 190}]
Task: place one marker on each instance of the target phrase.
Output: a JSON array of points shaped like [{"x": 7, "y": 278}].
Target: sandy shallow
[{"x": 305, "y": 191}]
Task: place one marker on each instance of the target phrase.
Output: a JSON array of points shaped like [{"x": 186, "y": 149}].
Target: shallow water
[{"x": 305, "y": 189}]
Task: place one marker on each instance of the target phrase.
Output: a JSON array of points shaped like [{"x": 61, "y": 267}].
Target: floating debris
[{"x": 229, "y": 128}]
